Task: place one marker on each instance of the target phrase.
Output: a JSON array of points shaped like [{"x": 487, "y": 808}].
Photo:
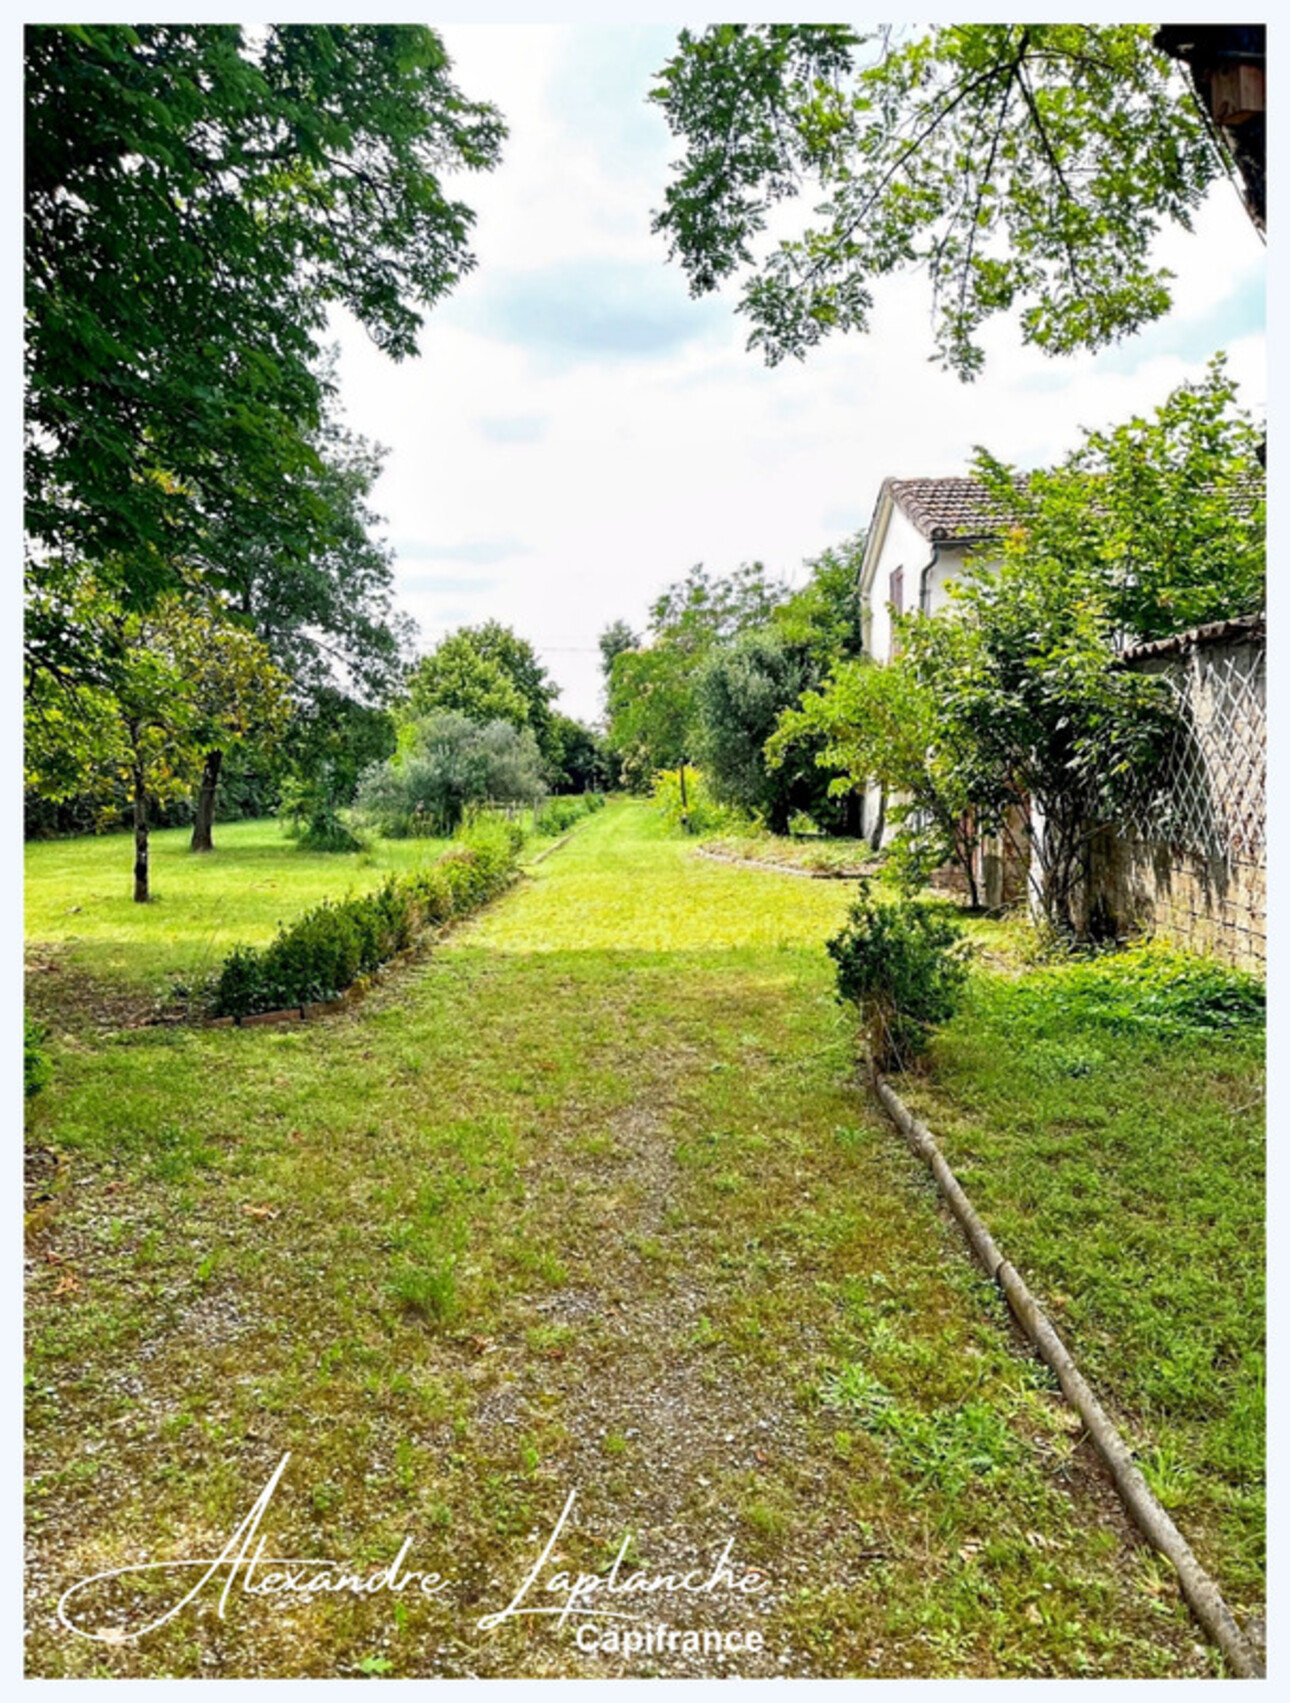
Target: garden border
[
  {"x": 782, "y": 868},
  {"x": 1199, "y": 1590},
  {"x": 361, "y": 986}
]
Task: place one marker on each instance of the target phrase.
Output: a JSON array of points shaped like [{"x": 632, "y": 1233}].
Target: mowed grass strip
[
  {"x": 587, "y": 1201},
  {"x": 1119, "y": 1159}
]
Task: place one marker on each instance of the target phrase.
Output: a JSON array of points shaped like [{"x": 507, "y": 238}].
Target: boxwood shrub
[{"x": 326, "y": 949}]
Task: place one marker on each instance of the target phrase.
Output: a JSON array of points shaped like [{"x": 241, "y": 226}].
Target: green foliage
[
  {"x": 336, "y": 735},
  {"x": 904, "y": 965},
  {"x": 578, "y": 759},
  {"x": 446, "y": 764},
  {"x": 196, "y": 201},
  {"x": 883, "y": 724},
  {"x": 36, "y": 1068},
  {"x": 1164, "y": 518},
  {"x": 701, "y": 813},
  {"x": 173, "y": 684},
  {"x": 311, "y": 809},
  {"x": 1147, "y": 990},
  {"x": 1014, "y": 696},
  {"x": 563, "y": 812},
  {"x": 617, "y": 636},
  {"x": 740, "y": 694},
  {"x": 333, "y": 613},
  {"x": 486, "y": 674},
  {"x": 322, "y": 952},
  {"x": 822, "y": 619},
  {"x": 1024, "y": 166},
  {"x": 653, "y": 711}
]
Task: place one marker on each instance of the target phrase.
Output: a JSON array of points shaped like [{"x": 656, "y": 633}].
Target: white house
[
  {"x": 918, "y": 539},
  {"x": 921, "y": 534}
]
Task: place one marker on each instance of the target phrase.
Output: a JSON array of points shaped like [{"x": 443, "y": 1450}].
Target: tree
[
  {"x": 748, "y": 686},
  {"x": 1038, "y": 721},
  {"x": 1167, "y": 514},
  {"x": 447, "y": 763},
  {"x": 823, "y": 617},
  {"x": 580, "y": 762},
  {"x": 740, "y": 694},
  {"x": 882, "y": 725},
  {"x": 197, "y": 197},
  {"x": 486, "y": 673},
  {"x": 176, "y": 683},
  {"x": 651, "y": 690},
  {"x": 617, "y": 637},
  {"x": 329, "y": 620},
  {"x": 1023, "y": 166}
]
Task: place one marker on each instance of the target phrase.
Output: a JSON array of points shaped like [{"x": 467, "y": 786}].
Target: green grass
[
  {"x": 1107, "y": 1120},
  {"x": 587, "y": 1199},
  {"x": 79, "y": 896}
]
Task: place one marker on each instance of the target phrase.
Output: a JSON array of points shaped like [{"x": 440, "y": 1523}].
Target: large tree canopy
[
  {"x": 197, "y": 196},
  {"x": 1022, "y": 165},
  {"x": 486, "y": 673}
]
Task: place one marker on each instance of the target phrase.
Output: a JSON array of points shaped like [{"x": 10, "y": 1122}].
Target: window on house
[{"x": 896, "y": 597}]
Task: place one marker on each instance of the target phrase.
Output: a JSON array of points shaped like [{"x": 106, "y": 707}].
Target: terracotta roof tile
[
  {"x": 962, "y": 510},
  {"x": 949, "y": 510}
]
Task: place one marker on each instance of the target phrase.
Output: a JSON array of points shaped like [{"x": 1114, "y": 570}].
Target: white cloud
[{"x": 614, "y": 468}]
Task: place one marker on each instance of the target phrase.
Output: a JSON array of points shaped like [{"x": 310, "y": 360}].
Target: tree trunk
[
  {"x": 852, "y": 819},
  {"x": 685, "y": 803},
  {"x": 140, "y": 837},
  {"x": 205, "y": 817},
  {"x": 880, "y": 822}
]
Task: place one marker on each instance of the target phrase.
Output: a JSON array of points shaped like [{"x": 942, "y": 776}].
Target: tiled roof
[
  {"x": 962, "y": 511},
  {"x": 948, "y": 510},
  {"x": 1214, "y": 632}
]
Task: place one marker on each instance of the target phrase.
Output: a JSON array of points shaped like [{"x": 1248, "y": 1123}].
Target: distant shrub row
[
  {"x": 326, "y": 949},
  {"x": 563, "y": 812}
]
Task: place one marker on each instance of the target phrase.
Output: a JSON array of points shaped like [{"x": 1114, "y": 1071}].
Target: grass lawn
[
  {"x": 1121, "y": 1167},
  {"x": 588, "y": 1200},
  {"x": 93, "y": 953}
]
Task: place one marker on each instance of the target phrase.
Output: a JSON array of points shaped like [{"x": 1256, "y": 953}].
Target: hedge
[{"x": 326, "y": 949}]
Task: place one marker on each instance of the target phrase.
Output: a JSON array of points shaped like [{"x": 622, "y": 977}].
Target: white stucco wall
[{"x": 903, "y": 546}]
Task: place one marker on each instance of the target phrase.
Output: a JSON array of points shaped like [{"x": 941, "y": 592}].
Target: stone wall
[{"x": 1192, "y": 868}]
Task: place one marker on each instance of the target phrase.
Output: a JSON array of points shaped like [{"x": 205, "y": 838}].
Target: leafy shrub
[
  {"x": 36, "y": 1068},
  {"x": 704, "y": 815},
  {"x": 311, "y": 809},
  {"x": 563, "y": 812},
  {"x": 447, "y": 764},
  {"x": 1150, "y": 989},
  {"x": 903, "y": 964},
  {"x": 322, "y": 952}
]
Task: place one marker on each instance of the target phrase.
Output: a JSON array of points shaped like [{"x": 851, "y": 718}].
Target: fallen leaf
[
  {"x": 260, "y": 1211},
  {"x": 67, "y": 1284}
]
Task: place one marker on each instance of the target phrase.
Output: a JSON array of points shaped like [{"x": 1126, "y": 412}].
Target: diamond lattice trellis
[{"x": 1212, "y": 791}]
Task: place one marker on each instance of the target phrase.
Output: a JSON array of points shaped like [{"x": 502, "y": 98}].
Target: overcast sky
[{"x": 578, "y": 432}]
